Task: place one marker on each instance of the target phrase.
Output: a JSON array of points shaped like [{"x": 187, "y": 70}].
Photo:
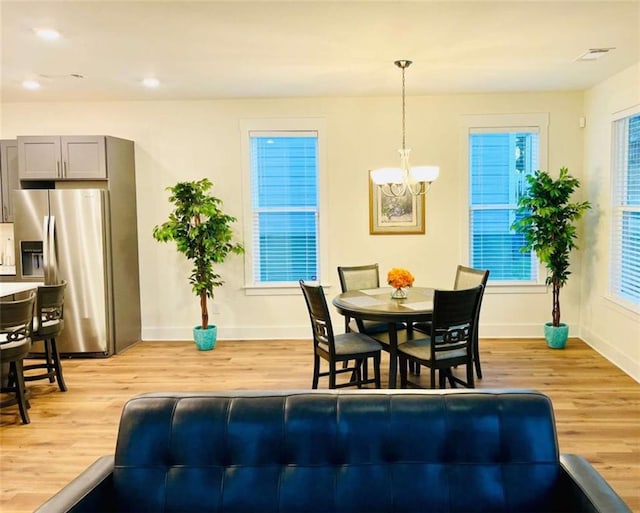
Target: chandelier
[{"x": 396, "y": 181}]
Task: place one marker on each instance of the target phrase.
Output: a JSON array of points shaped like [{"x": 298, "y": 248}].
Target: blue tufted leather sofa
[{"x": 361, "y": 451}]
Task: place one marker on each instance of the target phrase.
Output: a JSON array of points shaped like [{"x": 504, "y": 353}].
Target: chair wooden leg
[
  {"x": 433, "y": 377},
  {"x": 356, "y": 377},
  {"x": 452, "y": 381},
  {"x": 442, "y": 378},
  {"x": 376, "y": 369},
  {"x": 347, "y": 329},
  {"x": 48, "y": 355},
  {"x": 21, "y": 391},
  {"x": 360, "y": 371},
  {"x": 476, "y": 358},
  {"x": 316, "y": 371},
  {"x": 403, "y": 364},
  {"x": 57, "y": 365},
  {"x": 332, "y": 375},
  {"x": 470, "y": 383}
]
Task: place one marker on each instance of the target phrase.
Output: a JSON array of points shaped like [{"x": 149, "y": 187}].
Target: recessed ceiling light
[
  {"x": 31, "y": 84},
  {"x": 47, "y": 33},
  {"x": 594, "y": 54},
  {"x": 151, "y": 82}
]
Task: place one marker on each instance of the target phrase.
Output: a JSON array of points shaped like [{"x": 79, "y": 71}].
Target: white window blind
[
  {"x": 284, "y": 206},
  {"x": 499, "y": 161},
  {"x": 625, "y": 232}
]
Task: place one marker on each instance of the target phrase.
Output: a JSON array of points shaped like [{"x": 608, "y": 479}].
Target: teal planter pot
[
  {"x": 556, "y": 336},
  {"x": 205, "y": 339}
]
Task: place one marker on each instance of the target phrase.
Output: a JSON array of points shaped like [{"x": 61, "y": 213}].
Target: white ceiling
[{"x": 215, "y": 49}]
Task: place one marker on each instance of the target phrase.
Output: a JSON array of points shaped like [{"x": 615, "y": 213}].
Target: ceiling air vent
[{"x": 594, "y": 54}]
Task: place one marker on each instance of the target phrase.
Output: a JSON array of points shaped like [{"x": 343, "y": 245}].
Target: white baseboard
[
  {"x": 234, "y": 333},
  {"x": 304, "y": 331},
  {"x": 611, "y": 353}
]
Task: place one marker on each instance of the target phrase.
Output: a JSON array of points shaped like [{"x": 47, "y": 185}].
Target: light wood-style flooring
[{"x": 597, "y": 406}]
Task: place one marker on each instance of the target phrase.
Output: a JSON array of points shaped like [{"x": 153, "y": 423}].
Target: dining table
[
  {"x": 11, "y": 288},
  {"x": 378, "y": 305}
]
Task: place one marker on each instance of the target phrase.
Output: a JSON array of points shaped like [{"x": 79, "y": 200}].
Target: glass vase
[{"x": 399, "y": 293}]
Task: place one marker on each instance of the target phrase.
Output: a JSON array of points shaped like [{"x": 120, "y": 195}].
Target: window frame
[
  {"x": 511, "y": 123},
  {"x": 617, "y": 174},
  {"x": 275, "y": 126}
]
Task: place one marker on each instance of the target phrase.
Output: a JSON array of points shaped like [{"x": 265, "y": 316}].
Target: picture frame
[{"x": 395, "y": 215}]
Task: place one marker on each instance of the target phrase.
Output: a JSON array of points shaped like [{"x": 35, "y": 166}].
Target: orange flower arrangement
[{"x": 399, "y": 278}]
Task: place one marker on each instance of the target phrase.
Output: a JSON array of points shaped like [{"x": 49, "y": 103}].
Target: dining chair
[
  {"x": 16, "y": 319},
  {"x": 450, "y": 342},
  {"x": 338, "y": 348},
  {"x": 48, "y": 323},
  {"x": 362, "y": 277},
  {"x": 466, "y": 278}
]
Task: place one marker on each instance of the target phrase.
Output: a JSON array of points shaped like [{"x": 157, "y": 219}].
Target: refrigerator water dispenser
[{"x": 32, "y": 258}]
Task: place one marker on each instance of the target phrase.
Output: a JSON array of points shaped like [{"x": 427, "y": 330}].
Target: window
[
  {"x": 625, "y": 243},
  {"x": 283, "y": 222},
  {"x": 502, "y": 151}
]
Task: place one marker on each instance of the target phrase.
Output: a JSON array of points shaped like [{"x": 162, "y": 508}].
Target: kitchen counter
[{"x": 9, "y": 288}]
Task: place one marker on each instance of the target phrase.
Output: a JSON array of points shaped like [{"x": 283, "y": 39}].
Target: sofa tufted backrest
[{"x": 350, "y": 451}]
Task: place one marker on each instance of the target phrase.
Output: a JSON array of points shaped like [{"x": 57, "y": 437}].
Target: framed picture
[{"x": 391, "y": 215}]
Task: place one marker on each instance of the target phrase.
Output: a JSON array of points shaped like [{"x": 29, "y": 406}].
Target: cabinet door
[
  {"x": 83, "y": 157},
  {"x": 39, "y": 158},
  {"x": 9, "y": 173}
]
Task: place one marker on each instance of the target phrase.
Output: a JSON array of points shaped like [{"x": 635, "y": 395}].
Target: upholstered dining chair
[
  {"x": 450, "y": 342},
  {"x": 16, "y": 319},
  {"x": 361, "y": 277},
  {"x": 357, "y": 278},
  {"x": 338, "y": 348},
  {"x": 47, "y": 326},
  {"x": 466, "y": 278}
]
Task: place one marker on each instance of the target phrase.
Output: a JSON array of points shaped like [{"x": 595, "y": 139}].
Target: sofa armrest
[
  {"x": 90, "y": 492},
  {"x": 587, "y": 490}
]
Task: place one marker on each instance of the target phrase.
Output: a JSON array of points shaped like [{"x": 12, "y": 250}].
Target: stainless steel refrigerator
[{"x": 68, "y": 235}]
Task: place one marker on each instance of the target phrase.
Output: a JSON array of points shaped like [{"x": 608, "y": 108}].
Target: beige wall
[
  {"x": 610, "y": 328},
  {"x": 189, "y": 140}
]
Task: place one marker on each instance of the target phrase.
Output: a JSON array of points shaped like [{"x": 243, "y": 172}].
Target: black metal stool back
[
  {"x": 47, "y": 325},
  {"x": 16, "y": 318}
]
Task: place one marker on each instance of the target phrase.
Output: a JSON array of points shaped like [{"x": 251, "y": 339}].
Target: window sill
[
  {"x": 284, "y": 289},
  {"x": 623, "y": 307},
  {"x": 516, "y": 288}
]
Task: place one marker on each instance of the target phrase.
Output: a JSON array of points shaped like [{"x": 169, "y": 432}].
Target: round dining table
[{"x": 378, "y": 305}]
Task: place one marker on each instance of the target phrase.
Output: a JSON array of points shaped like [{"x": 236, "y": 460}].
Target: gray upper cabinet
[
  {"x": 8, "y": 178},
  {"x": 80, "y": 157}
]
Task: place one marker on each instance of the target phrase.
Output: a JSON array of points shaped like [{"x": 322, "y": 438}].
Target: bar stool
[
  {"x": 16, "y": 319},
  {"x": 47, "y": 325}
]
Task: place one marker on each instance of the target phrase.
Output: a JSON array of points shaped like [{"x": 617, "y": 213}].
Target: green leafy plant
[
  {"x": 202, "y": 232},
  {"x": 546, "y": 217}
]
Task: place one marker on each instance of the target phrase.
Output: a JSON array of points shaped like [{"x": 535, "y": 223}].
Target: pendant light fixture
[{"x": 396, "y": 181}]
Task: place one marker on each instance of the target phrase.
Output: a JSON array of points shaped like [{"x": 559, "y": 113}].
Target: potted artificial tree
[
  {"x": 545, "y": 216},
  {"x": 203, "y": 233}
]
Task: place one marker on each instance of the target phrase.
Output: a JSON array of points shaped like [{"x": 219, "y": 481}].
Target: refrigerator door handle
[
  {"x": 45, "y": 247},
  {"x": 53, "y": 261}
]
